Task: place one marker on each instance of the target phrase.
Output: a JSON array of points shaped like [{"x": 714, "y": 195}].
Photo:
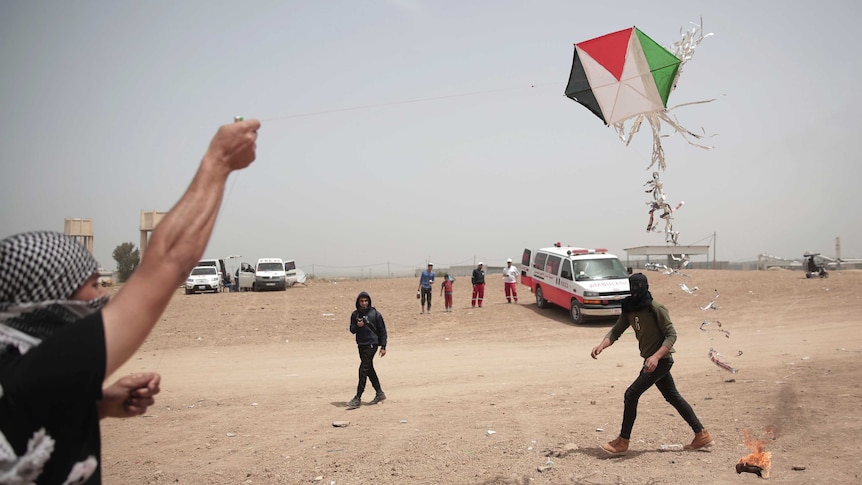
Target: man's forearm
[
  {"x": 178, "y": 242},
  {"x": 176, "y": 245}
]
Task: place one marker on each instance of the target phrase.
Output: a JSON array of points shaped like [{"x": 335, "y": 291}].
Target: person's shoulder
[{"x": 658, "y": 306}]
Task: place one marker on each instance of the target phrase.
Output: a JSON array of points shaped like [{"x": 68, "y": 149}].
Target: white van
[
  {"x": 269, "y": 275},
  {"x": 588, "y": 282}
]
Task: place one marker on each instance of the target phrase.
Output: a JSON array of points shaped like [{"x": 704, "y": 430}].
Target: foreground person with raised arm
[{"x": 60, "y": 337}]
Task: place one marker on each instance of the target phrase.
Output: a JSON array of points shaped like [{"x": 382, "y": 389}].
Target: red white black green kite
[
  {"x": 621, "y": 75},
  {"x": 626, "y": 75}
]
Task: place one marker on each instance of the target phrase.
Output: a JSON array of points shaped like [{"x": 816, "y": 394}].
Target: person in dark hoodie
[
  {"x": 656, "y": 337},
  {"x": 370, "y": 330}
]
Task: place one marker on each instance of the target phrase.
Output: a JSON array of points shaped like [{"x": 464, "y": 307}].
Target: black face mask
[
  {"x": 638, "y": 285},
  {"x": 640, "y": 295}
]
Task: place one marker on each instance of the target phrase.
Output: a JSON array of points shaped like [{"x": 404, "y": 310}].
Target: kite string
[
  {"x": 397, "y": 103},
  {"x": 163, "y": 350}
]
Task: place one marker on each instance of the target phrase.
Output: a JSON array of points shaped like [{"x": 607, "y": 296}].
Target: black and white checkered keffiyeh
[{"x": 39, "y": 272}]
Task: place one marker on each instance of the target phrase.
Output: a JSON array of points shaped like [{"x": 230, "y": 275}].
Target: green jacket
[{"x": 652, "y": 326}]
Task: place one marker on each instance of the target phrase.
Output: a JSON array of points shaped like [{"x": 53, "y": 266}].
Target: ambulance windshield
[{"x": 599, "y": 269}]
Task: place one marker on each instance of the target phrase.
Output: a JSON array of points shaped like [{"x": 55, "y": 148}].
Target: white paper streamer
[{"x": 684, "y": 50}]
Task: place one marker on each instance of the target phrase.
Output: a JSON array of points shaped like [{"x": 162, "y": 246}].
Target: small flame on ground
[{"x": 758, "y": 457}]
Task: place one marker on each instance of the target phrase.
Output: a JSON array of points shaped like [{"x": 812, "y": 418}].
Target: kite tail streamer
[
  {"x": 684, "y": 48},
  {"x": 657, "y": 150},
  {"x": 713, "y": 356},
  {"x": 706, "y": 323},
  {"x": 621, "y": 129},
  {"x": 684, "y": 132}
]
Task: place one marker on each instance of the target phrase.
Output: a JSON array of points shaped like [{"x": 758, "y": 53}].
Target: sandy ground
[{"x": 506, "y": 394}]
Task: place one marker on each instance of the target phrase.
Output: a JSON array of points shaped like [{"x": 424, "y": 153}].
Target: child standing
[{"x": 446, "y": 291}]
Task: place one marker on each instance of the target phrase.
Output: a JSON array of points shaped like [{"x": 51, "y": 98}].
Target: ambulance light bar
[{"x": 579, "y": 252}]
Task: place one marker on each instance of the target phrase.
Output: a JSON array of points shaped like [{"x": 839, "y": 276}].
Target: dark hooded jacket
[
  {"x": 374, "y": 330},
  {"x": 649, "y": 319}
]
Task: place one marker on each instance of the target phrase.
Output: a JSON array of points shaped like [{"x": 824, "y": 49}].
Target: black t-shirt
[{"x": 56, "y": 386}]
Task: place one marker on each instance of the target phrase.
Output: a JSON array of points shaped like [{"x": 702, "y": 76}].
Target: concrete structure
[
  {"x": 81, "y": 230},
  {"x": 668, "y": 252},
  {"x": 149, "y": 221}
]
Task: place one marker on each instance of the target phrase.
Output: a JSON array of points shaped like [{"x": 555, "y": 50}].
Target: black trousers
[
  {"x": 426, "y": 294},
  {"x": 664, "y": 382},
  {"x": 366, "y": 369}
]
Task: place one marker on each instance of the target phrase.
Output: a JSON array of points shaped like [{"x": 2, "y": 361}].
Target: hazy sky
[{"x": 402, "y": 130}]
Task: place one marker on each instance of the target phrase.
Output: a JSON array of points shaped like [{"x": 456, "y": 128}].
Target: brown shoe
[
  {"x": 701, "y": 441},
  {"x": 617, "y": 446}
]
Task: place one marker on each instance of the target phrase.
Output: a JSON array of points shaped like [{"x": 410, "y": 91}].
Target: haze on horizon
[{"x": 401, "y": 131}]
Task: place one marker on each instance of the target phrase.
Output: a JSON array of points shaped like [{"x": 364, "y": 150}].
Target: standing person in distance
[
  {"x": 510, "y": 281},
  {"x": 656, "y": 336},
  {"x": 370, "y": 330},
  {"x": 446, "y": 291},
  {"x": 426, "y": 281},
  {"x": 478, "y": 281}
]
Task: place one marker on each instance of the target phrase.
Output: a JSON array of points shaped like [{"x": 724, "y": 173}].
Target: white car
[{"x": 203, "y": 278}]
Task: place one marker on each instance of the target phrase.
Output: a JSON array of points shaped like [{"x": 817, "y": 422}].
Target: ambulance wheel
[
  {"x": 575, "y": 312},
  {"x": 540, "y": 298}
]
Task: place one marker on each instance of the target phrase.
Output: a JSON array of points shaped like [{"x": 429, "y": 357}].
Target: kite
[
  {"x": 622, "y": 75},
  {"x": 626, "y": 75}
]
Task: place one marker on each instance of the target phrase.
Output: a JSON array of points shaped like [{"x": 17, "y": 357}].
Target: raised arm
[{"x": 176, "y": 245}]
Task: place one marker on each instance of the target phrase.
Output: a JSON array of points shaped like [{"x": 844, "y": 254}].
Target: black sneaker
[
  {"x": 354, "y": 403},
  {"x": 378, "y": 398}
]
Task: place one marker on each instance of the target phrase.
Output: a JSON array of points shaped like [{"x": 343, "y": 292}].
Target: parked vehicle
[
  {"x": 220, "y": 267},
  {"x": 588, "y": 282},
  {"x": 814, "y": 269},
  {"x": 245, "y": 277},
  {"x": 291, "y": 274},
  {"x": 106, "y": 278},
  {"x": 203, "y": 279},
  {"x": 269, "y": 274}
]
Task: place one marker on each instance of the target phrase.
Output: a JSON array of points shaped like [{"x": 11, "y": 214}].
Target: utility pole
[
  {"x": 838, "y": 250},
  {"x": 714, "y": 261}
]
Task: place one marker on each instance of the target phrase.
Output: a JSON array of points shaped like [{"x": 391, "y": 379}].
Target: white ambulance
[{"x": 589, "y": 282}]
